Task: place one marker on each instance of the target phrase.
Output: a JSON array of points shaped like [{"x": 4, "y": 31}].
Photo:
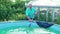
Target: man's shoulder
[{"x": 27, "y": 7}]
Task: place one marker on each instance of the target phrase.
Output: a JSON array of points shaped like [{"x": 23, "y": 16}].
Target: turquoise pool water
[
  {"x": 22, "y": 28},
  {"x": 26, "y": 30}
]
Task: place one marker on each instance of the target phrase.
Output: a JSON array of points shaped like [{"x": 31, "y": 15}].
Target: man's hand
[{"x": 31, "y": 20}]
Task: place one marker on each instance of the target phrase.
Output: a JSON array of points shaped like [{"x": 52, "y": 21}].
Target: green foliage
[
  {"x": 42, "y": 16},
  {"x": 57, "y": 20},
  {"x": 9, "y": 9}
]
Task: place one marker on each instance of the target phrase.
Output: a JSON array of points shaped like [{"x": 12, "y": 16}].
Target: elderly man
[{"x": 30, "y": 13}]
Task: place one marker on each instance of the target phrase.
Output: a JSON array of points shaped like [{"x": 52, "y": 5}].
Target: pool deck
[{"x": 23, "y": 23}]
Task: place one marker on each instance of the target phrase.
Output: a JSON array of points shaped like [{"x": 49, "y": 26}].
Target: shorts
[{"x": 30, "y": 18}]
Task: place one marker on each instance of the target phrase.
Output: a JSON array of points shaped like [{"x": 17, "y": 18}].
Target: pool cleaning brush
[{"x": 44, "y": 24}]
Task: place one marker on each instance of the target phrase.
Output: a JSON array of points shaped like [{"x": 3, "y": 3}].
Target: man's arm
[
  {"x": 35, "y": 13},
  {"x": 28, "y": 18}
]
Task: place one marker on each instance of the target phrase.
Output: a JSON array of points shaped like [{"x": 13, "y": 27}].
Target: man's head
[{"x": 30, "y": 5}]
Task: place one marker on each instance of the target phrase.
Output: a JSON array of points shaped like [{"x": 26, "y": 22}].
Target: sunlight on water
[
  {"x": 42, "y": 31},
  {"x": 27, "y": 31}
]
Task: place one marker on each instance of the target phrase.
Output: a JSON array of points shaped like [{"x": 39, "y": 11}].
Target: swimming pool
[{"x": 21, "y": 27}]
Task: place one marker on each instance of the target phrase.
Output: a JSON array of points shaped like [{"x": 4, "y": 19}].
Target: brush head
[{"x": 44, "y": 24}]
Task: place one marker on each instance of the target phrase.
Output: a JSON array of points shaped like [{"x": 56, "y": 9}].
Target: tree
[{"x": 9, "y": 8}]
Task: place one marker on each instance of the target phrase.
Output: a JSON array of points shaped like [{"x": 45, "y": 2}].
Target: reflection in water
[{"x": 30, "y": 31}]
